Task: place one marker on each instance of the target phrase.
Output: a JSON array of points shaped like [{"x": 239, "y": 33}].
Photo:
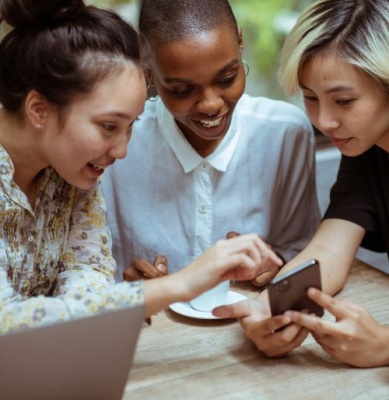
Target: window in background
[
  {"x": 265, "y": 24},
  {"x": 128, "y": 9}
]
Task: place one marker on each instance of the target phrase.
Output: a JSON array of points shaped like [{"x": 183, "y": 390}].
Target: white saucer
[{"x": 186, "y": 310}]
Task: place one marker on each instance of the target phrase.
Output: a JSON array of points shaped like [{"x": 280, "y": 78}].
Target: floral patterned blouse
[{"x": 55, "y": 261}]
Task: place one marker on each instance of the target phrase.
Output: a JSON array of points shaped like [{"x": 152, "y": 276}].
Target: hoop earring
[
  {"x": 151, "y": 96},
  {"x": 153, "y": 99},
  {"x": 246, "y": 68}
]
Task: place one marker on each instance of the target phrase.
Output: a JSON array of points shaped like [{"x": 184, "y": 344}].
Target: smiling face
[
  {"x": 95, "y": 128},
  {"x": 345, "y": 104},
  {"x": 200, "y": 80}
]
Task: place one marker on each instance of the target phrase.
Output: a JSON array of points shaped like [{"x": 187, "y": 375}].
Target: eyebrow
[
  {"x": 182, "y": 80},
  {"x": 118, "y": 114},
  {"x": 335, "y": 89}
]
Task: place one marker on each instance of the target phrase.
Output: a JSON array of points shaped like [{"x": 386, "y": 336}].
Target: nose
[
  {"x": 326, "y": 121},
  {"x": 211, "y": 102},
  {"x": 119, "y": 148}
]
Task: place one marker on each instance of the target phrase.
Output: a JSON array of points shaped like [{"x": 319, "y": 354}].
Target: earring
[
  {"x": 245, "y": 64},
  {"x": 152, "y": 95},
  {"x": 38, "y": 126},
  {"x": 246, "y": 67},
  {"x": 153, "y": 98}
]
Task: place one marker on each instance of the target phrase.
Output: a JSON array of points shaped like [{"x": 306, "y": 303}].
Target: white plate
[{"x": 186, "y": 310}]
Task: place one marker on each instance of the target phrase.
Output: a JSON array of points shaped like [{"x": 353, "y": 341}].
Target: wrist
[
  {"x": 383, "y": 350},
  {"x": 161, "y": 292},
  {"x": 263, "y": 297}
]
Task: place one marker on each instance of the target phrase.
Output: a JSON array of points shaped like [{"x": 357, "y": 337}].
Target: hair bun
[{"x": 24, "y": 13}]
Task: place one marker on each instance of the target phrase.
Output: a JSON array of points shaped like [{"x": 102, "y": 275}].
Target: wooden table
[{"x": 183, "y": 358}]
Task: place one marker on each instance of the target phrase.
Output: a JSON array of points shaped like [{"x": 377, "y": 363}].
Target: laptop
[{"x": 83, "y": 359}]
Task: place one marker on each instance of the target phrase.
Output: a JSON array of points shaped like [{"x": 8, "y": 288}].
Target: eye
[
  {"x": 181, "y": 92},
  {"x": 109, "y": 127},
  {"x": 227, "y": 81},
  {"x": 344, "y": 102},
  {"x": 310, "y": 99}
]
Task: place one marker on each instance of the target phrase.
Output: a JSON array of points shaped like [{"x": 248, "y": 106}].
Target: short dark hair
[
  {"x": 167, "y": 21},
  {"x": 60, "y": 48}
]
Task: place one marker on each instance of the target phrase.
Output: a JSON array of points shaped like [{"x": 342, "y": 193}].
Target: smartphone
[{"x": 289, "y": 291}]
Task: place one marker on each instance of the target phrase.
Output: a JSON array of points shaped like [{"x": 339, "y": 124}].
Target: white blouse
[{"x": 164, "y": 198}]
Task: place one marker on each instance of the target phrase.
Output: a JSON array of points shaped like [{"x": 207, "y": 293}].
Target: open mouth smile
[
  {"x": 212, "y": 124},
  {"x": 98, "y": 168}
]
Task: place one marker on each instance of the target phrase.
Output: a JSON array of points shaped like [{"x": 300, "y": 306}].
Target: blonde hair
[{"x": 357, "y": 31}]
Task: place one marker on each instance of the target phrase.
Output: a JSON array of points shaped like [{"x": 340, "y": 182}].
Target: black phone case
[{"x": 289, "y": 291}]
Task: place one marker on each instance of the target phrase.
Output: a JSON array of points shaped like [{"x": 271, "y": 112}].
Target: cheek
[
  {"x": 179, "y": 108},
  {"x": 311, "y": 112},
  {"x": 239, "y": 88}
]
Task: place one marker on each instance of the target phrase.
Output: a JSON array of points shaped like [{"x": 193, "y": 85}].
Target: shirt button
[
  {"x": 203, "y": 209},
  {"x": 30, "y": 238},
  {"x": 204, "y": 165}
]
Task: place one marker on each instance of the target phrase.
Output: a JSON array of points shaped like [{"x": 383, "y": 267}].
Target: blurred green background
[{"x": 265, "y": 24}]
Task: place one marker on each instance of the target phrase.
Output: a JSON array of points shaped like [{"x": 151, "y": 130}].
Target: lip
[
  {"x": 213, "y": 132},
  {"x": 94, "y": 172},
  {"x": 100, "y": 172},
  {"x": 339, "y": 142}
]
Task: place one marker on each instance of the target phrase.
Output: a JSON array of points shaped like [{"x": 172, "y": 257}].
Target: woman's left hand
[{"x": 354, "y": 338}]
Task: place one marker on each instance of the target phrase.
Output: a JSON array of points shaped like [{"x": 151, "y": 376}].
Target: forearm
[
  {"x": 333, "y": 268},
  {"x": 160, "y": 292},
  {"x": 334, "y": 245}
]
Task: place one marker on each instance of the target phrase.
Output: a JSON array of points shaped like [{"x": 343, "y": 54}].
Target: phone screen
[{"x": 289, "y": 291}]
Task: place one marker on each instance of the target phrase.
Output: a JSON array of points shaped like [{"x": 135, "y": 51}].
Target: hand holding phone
[{"x": 289, "y": 291}]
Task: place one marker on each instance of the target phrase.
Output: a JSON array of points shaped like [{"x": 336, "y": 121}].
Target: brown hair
[{"x": 60, "y": 48}]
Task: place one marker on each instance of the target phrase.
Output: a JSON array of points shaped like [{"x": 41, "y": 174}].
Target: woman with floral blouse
[{"x": 71, "y": 87}]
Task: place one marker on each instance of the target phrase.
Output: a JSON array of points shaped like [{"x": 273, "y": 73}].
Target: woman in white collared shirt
[{"x": 206, "y": 159}]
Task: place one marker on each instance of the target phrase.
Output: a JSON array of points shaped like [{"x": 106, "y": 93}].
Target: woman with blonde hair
[{"x": 337, "y": 56}]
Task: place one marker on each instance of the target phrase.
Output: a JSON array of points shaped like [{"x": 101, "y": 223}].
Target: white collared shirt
[{"x": 164, "y": 198}]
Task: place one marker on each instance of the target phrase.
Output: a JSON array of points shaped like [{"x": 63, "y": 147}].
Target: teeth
[
  {"x": 212, "y": 124},
  {"x": 98, "y": 167}
]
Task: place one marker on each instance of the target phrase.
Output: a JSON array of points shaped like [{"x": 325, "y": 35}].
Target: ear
[
  {"x": 151, "y": 89},
  {"x": 36, "y": 108},
  {"x": 149, "y": 77},
  {"x": 240, "y": 37}
]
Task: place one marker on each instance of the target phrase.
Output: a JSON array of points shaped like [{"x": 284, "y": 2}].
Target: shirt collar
[
  {"x": 186, "y": 155},
  {"x": 7, "y": 171}
]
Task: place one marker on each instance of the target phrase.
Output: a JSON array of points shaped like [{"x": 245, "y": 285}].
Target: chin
[
  {"x": 353, "y": 152},
  {"x": 82, "y": 184}
]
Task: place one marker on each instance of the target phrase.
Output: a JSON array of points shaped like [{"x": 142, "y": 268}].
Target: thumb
[{"x": 237, "y": 310}]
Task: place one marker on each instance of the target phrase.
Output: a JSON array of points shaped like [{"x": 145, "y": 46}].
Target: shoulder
[
  {"x": 373, "y": 161},
  {"x": 273, "y": 111},
  {"x": 265, "y": 117}
]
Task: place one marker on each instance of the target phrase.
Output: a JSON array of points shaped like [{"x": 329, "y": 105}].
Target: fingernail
[
  {"x": 288, "y": 314},
  {"x": 161, "y": 268},
  {"x": 220, "y": 312}
]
